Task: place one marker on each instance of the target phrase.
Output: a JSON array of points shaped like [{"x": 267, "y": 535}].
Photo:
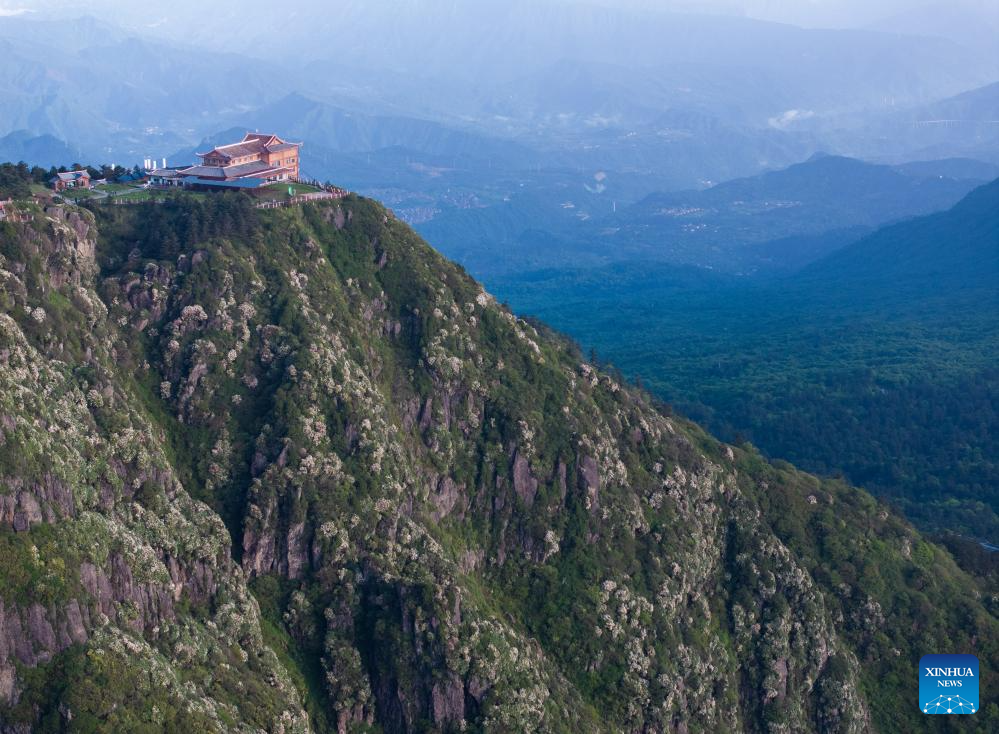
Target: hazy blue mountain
[
  {"x": 974, "y": 24},
  {"x": 68, "y": 35},
  {"x": 963, "y": 125},
  {"x": 634, "y": 96},
  {"x": 835, "y": 189},
  {"x": 564, "y": 66},
  {"x": 577, "y": 92},
  {"x": 113, "y": 95},
  {"x": 975, "y": 106},
  {"x": 529, "y": 36},
  {"x": 40, "y": 150},
  {"x": 950, "y": 254},
  {"x": 725, "y": 226},
  {"x": 682, "y": 61},
  {"x": 959, "y": 168},
  {"x": 348, "y": 131}
]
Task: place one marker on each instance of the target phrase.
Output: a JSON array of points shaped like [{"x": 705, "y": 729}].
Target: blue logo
[{"x": 948, "y": 684}]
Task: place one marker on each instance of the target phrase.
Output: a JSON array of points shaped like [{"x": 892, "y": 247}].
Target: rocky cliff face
[
  {"x": 114, "y": 582},
  {"x": 449, "y": 519}
]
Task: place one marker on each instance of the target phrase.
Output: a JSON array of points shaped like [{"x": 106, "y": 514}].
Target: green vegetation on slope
[
  {"x": 878, "y": 363},
  {"x": 449, "y": 519},
  {"x": 120, "y": 606}
]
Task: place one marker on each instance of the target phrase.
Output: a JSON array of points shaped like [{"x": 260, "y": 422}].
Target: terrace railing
[{"x": 331, "y": 193}]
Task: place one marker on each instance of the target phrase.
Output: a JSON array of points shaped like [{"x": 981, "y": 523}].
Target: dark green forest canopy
[{"x": 878, "y": 362}]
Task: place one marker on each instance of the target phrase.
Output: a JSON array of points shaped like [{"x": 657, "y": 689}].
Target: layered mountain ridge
[{"x": 294, "y": 471}]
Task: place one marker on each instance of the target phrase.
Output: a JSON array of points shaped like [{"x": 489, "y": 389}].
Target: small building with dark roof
[
  {"x": 166, "y": 177},
  {"x": 70, "y": 180}
]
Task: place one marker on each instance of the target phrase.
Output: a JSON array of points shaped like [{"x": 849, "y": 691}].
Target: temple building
[{"x": 257, "y": 160}]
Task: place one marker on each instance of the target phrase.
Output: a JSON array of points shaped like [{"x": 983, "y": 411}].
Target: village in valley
[{"x": 262, "y": 165}]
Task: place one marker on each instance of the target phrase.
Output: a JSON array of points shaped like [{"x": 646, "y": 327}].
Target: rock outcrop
[
  {"x": 450, "y": 520},
  {"x": 109, "y": 567}
]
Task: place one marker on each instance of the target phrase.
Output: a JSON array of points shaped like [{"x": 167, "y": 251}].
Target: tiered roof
[
  {"x": 253, "y": 143},
  {"x": 256, "y": 169}
]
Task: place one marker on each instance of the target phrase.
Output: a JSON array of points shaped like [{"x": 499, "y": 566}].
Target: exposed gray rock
[
  {"x": 589, "y": 477},
  {"x": 524, "y": 483},
  {"x": 298, "y": 557},
  {"x": 445, "y": 498},
  {"x": 448, "y": 701}
]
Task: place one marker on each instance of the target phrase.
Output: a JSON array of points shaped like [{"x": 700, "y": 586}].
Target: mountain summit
[{"x": 292, "y": 471}]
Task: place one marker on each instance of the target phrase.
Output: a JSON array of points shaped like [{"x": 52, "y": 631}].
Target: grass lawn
[
  {"x": 76, "y": 194},
  {"x": 134, "y": 194},
  {"x": 279, "y": 191},
  {"x": 117, "y": 188}
]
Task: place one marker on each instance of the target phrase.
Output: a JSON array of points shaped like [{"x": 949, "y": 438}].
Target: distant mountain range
[
  {"x": 118, "y": 97},
  {"x": 556, "y": 155},
  {"x": 713, "y": 226},
  {"x": 951, "y": 254},
  {"x": 607, "y": 85},
  {"x": 974, "y": 24},
  {"x": 771, "y": 223},
  {"x": 331, "y": 129},
  {"x": 40, "y": 150},
  {"x": 966, "y": 124}
]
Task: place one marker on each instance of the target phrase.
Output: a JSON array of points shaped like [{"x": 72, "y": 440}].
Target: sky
[
  {"x": 967, "y": 21},
  {"x": 808, "y": 13},
  {"x": 830, "y": 13}
]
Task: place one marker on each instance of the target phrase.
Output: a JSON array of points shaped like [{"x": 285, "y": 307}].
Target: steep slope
[
  {"x": 120, "y": 606},
  {"x": 878, "y": 361},
  {"x": 452, "y": 522}
]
